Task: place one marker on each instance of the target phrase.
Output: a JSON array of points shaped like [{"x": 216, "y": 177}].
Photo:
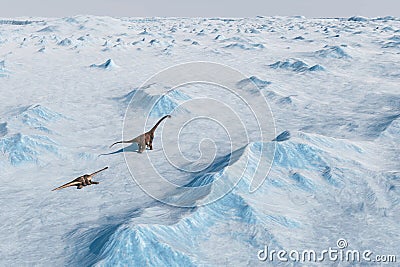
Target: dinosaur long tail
[
  {"x": 105, "y": 168},
  {"x": 158, "y": 123},
  {"x": 122, "y": 142},
  {"x": 66, "y": 185}
]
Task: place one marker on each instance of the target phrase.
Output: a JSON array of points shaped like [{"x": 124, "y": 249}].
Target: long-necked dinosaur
[
  {"x": 145, "y": 139},
  {"x": 81, "y": 181}
]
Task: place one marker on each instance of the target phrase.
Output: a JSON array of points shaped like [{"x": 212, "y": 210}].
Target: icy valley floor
[{"x": 65, "y": 85}]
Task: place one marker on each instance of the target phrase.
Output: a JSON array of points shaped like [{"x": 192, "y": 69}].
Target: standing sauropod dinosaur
[
  {"x": 145, "y": 139},
  {"x": 81, "y": 181}
]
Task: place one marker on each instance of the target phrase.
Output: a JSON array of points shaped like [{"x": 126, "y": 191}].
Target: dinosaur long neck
[
  {"x": 158, "y": 123},
  {"x": 105, "y": 168}
]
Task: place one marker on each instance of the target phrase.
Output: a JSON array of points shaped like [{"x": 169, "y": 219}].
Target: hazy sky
[{"x": 199, "y": 8}]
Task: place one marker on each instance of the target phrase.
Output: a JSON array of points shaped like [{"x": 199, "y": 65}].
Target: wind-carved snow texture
[
  {"x": 332, "y": 85},
  {"x": 65, "y": 42},
  {"x": 358, "y": 18},
  {"x": 48, "y": 29},
  {"x": 35, "y": 116},
  {"x": 3, "y": 129},
  {"x": 19, "y": 148},
  {"x": 3, "y": 70},
  {"x": 161, "y": 104},
  {"x": 109, "y": 64},
  {"x": 393, "y": 42},
  {"x": 296, "y": 65},
  {"x": 283, "y": 136},
  {"x": 253, "y": 80},
  {"x": 332, "y": 52},
  {"x": 17, "y": 22}
]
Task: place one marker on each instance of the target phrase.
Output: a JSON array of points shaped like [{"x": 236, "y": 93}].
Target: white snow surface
[{"x": 65, "y": 83}]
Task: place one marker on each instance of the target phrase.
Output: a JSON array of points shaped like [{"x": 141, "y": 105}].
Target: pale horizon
[{"x": 207, "y": 8}]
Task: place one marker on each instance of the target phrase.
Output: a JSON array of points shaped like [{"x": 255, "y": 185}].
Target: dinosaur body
[
  {"x": 81, "y": 181},
  {"x": 145, "y": 139}
]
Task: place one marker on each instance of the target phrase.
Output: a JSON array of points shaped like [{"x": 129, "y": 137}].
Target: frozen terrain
[{"x": 66, "y": 83}]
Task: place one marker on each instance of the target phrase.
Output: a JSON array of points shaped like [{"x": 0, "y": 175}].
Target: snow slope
[{"x": 66, "y": 86}]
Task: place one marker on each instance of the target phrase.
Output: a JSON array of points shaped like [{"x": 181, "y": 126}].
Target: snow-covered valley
[{"x": 70, "y": 87}]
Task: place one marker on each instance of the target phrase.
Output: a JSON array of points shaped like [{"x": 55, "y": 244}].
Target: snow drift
[{"x": 296, "y": 65}]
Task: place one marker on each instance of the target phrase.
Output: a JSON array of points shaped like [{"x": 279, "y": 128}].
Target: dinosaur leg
[
  {"x": 142, "y": 147},
  {"x": 79, "y": 186}
]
